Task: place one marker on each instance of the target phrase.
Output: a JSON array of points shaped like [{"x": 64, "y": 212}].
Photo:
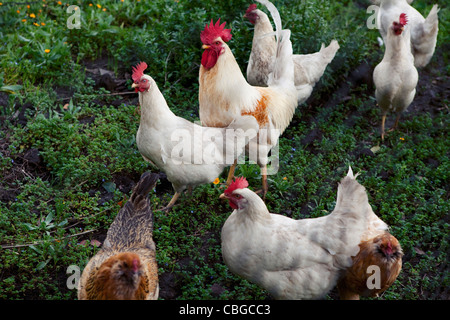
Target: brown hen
[
  {"x": 125, "y": 268},
  {"x": 374, "y": 269}
]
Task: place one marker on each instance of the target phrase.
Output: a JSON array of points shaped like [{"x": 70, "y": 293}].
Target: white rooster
[
  {"x": 225, "y": 94},
  {"x": 308, "y": 68}
]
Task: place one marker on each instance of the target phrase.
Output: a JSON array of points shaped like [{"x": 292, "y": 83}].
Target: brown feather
[
  {"x": 354, "y": 282},
  {"x": 125, "y": 268}
]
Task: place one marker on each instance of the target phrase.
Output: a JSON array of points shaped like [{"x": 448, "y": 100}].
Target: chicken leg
[
  {"x": 265, "y": 186},
  {"x": 231, "y": 173},
  {"x": 383, "y": 120}
]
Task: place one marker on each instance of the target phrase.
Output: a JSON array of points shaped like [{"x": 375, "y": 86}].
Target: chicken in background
[
  {"x": 379, "y": 1},
  {"x": 293, "y": 259},
  {"x": 125, "y": 268},
  {"x": 309, "y": 68},
  {"x": 380, "y": 255},
  {"x": 189, "y": 154},
  {"x": 396, "y": 77},
  {"x": 225, "y": 94},
  {"x": 423, "y": 32}
]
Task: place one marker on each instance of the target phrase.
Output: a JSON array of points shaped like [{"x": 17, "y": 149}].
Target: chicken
[
  {"x": 395, "y": 77},
  {"x": 377, "y": 264},
  {"x": 379, "y": 1},
  {"x": 423, "y": 32},
  {"x": 380, "y": 258},
  {"x": 188, "y": 153},
  {"x": 224, "y": 93},
  {"x": 309, "y": 68},
  {"x": 125, "y": 268},
  {"x": 293, "y": 259}
]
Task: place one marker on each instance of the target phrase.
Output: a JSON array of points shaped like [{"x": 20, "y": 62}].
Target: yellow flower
[
  {"x": 18, "y": 11},
  {"x": 98, "y": 5},
  {"x": 2, "y": 3},
  {"x": 403, "y": 139},
  {"x": 32, "y": 15},
  {"x": 24, "y": 20},
  {"x": 34, "y": 23},
  {"x": 216, "y": 181},
  {"x": 59, "y": 2},
  {"x": 90, "y": 4},
  {"x": 28, "y": 6},
  {"x": 285, "y": 178},
  {"x": 42, "y": 24},
  {"x": 104, "y": 9},
  {"x": 47, "y": 50}
]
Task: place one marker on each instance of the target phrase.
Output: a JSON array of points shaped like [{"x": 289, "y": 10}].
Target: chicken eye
[
  {"x": 217, "y": 42},
  {"x": 237, "y": 196}
]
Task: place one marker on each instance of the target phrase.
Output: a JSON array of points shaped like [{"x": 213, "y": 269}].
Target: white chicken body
[
  {"x": 308, "y": 68},
  {"x": 295, "y": 259},
  {"x": 188, "y": 153},
  {"x": 395, "y": 77}
]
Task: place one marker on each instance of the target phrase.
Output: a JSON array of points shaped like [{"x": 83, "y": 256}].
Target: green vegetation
[{"x": 68, "y": 157}]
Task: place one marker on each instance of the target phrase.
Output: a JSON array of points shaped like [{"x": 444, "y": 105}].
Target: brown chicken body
[
  {"x": 374, "y": 268},
  {"x": 125, "y": 268}
]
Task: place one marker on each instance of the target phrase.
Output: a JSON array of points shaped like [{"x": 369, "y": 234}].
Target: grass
[{"x": 68, "y": 157}]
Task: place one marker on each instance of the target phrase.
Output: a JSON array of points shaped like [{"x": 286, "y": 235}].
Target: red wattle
[{"x": 209, "y": 58}]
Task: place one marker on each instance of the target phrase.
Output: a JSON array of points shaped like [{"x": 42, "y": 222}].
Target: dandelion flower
[
  {"x": 35, "y": 24},
  {"x": 32, "y": 15},
  {"x": 2, "y": 3},
  {"x": 47, "y": 50},
  {"x": 285, "y": 178},
  {"x": 98, "y": 5},
  {"x": 401, "y": 138},
  {"x": 59, "y": 2},
  {"x": 216, "y": 181},
  {"x": 24, "y": 20},
  {"x": 42, "y": 24}
]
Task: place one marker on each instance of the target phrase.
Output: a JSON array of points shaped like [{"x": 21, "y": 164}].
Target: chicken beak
[
  {"x": 223, "y": 196},
  {"x": 205, "y": 46},
  {"x": 134, "y": 85}
]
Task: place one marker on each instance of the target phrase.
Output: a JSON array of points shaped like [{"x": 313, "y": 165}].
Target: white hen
[
  {"x": 423, "y": 31},
  {"x": 308, "y": 68},
  {"x": 395, "y": 77},
  {"x": 188, "y": 153},
  {"x": 293, "y": 259}
]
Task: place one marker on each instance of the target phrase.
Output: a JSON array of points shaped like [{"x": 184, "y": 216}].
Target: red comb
[
  {"x": 238, "y": 183},
  {"x": 403, "y": 19},
  {"x": 138, "y": 71},
  {"x": 211, "y": 32},
  {"x": 251, "y": 8}
]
